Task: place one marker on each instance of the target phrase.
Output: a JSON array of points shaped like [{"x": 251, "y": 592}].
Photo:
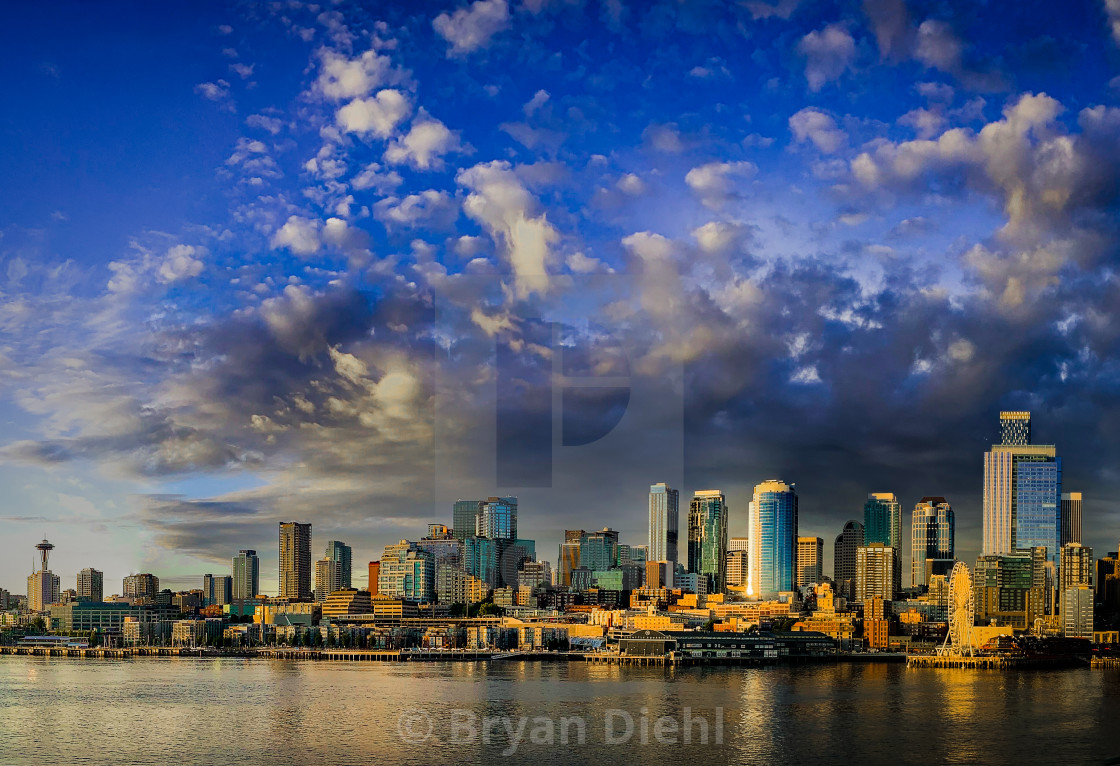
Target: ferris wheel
[{"x": 962, "y": 612}]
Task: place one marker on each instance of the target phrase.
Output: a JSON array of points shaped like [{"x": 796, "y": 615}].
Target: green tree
[{"x": 709, "y": 626}]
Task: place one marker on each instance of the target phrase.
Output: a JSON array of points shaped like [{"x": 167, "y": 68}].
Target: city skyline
[{"x": 327, "y": 265}]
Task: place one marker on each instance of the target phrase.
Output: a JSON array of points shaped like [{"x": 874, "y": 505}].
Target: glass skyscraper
[
  {"x": 1017, "y": 518},
  {"x": 773, "y": 526},
  {"x": 464, "y": 518},
  {"x": 933, "y": 536},
  {"x": 246, "y": 575},
  {"x": 844, "y": 558},
  {"x": 882, "y": 520},
  {"x": 497, "y": 518},
  {"x": 664, "y": 522},
  {"x": 598, "y": 551},
  {"x": 340, "y": 553},
  {"x": 707, "y": 538}
]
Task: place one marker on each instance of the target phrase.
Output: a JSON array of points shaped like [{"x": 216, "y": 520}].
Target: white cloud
[
  {"x": 374, "y": 177},
  {"x": 539, "y": 99},
  {"x": 664, "y": 138},
  {"x": 214, "y": 91},
  {"x": 379, "y": 115},
  {"x": 427, "y": 141},
  {"x": 713, "y": 183},
  {"x": 631, "y": 184},
  {"x": 244, "y": 71},
  {"x": 717, "y": 237},
  {"x": 814, "y": 125},
  {"x": 341, "y": 78},
  {"x": 272, "y": 124},
  {"x": 300, "y": 235},
  {"x": 1112, "y": 8},
  {"x": 471, "y": 28},
  {"x": 828, "y": 52},
  {"x": 431, "y": 208},
  {"x": 580, "y": 263},
  {"x": 504, "y": 207},
  {"x": 938, "y": 47},
  {"x": 180, "y": 263}
]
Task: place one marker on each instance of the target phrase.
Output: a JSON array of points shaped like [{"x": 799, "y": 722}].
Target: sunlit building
[
  {"x": 844, "y": 559},
  {"x": 246, "y": 569},
  {"x": 1071, "y": 517},
  {"x": 772, "y": 521},
  {"x": 882, "y": 520},
  {"x": 140, "y": 587},
  {"x": 664, "y": 522},
  {"x": 877, "y": 572},
  {"x": 342, "y": 553},
  {"x": 707, "y": 538},
  {"x": 933, "y": 536},
  {"x": 810, "y": 561},
  {"x": 295, "y": 560},
  {"x": 91, "y": 584},
  {"x": 328, "y": 578}
]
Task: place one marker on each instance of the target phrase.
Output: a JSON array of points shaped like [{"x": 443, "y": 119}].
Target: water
[{"x": 186, "y": 712}]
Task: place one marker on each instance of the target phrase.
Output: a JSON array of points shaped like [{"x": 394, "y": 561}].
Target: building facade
[
  {"x": 216, "y": 590},
  {"x": 707, "y": 538},
  {"x": 246, "y": 569},
  {"x": 497, "y": 518},
  {"x": 772, "y": 520},
  {"x": 1071, "y": 517},
  {"x": 328, "y": 578},
  {"x": 295, "y": 560},
  {"x": 141, "y": 587},
  {"x": 43, "y": 589},
  {"x": 877, "y": 572},
  {"x": 844, "y": 558},
  {"x": 341, "y": 553},
  {"x": 882, "y": 520},
  {"x": 933, "y": 536},
  {"x": 91, "y": 584},
  {"x": 664, "y": 522},
  {"x": 810, "y": 561},
  {"x": 464, "y": 518}
]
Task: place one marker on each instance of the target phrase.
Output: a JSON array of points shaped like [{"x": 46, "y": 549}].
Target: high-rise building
[
  {"x": 216, "y": 591},
  {"x": 407, "y": 572},
  {"x": 1076, "y": 566},
  {"x": 43, "y": 589},
  {"x": 738, "y": 571},
  {"x": 246, "y": 570},
  {"x": 773, "y": 532},
  {"x": 877, "y": 572},
  {"x": 497, "y": 518},
  {"x": 328, "y": 578},
  {"x": 1077, "y": 612},
  {"x": 1071, "y": 517},
  {"x": 1011, "y": 589},
  {"x": 342, "y": 553},
  {"x": 91, "y": 585},
  {"x": 707, "y": 538},
  {"x": 140, "y": 586},
  {"x": 598, "y": 551},
  {"x": 933, "y": 536},
  {"x": 739, "y": 544},
  {"x": 844, "y": 558},
  {"x": 664, "y": 522},
  {"x": 882, "y": 520},
  {"x": 1022, "y": 492},
  {"x": 464, "y": 518},
  {"x": 374, "y": 572},
  {"x": 810, "y": 560},
  {"x": 295, "y": 560},
  {"x": 569, "y": 556}
]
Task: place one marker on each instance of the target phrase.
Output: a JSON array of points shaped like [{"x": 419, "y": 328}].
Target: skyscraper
[
  {"x": 341, "y": 552},
  {"x": 141, "y": 586},
  {"x": 1022, "y": 492},
  {"x": 91, "y": 584},
  {"x": 569, "y": 555},
  {"x": 464, "y": 518},
  {"x": 932, "y": 531},
  {"x": 216, "y": 591},
  {"x": 497, "y": 518},
  {"x": 664, "y": 522},
  {"x": 1077, "y": 566},
  {"x": 1071, "y": 517},
  {"x": 882, "y": 520},
  {"x": 877, "y": 571},
  {"x": 295, "y": 560},
  {"x": 246, "y": 569},
  {"x": 328, "y": 578},
  {"x": 773, "y": 531},
  {"x": 844, "y": 558},
  {"x": 707, "y": 538},
  {"x": 810, "y": 558},
  {"x": 598, "y": 551}
]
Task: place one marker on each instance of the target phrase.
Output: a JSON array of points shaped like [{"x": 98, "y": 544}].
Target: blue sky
[{"x": 260, "y": 262}]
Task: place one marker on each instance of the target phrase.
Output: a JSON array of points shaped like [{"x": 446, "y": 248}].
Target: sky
[{"x": 347, "y": 263}]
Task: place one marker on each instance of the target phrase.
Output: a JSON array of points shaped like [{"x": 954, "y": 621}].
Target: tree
[{"x": 709, "y": 626}]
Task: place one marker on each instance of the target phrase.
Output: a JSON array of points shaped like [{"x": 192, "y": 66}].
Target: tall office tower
[
  {"x": 844, "y": 558},
  {"x": 216, "y": 591},
  {"x": 664, "y": 522},
  {"x": 497, "y": 518},
  {"x": 882, "y": 520},
  {"x": 341, "y": 552},
  {"x": 328, "y": 578},
  {"x": 374, "y": 573},
  {"x": 1071, "y": 517},
  {"x": 464, "y": 518},
  {"x": 1077, "y": 612},
  {"x": 877, "y": 572},
  {"x": 408, "y": 572},
  {"x": 1022, "y": 492},
  {"x": 598, "y": 551},
  {"x": 739, "y": 544},
  {"x": 295, "y": 560},
  {"x": 140, "y": 586},
  {"x": 1077, "y": 566},
  {"x": 810, "y": 560},
  {"x": 91, "y": 584},
  {"x": 569, "y": 555},
  {"x": 1012, "y": 589},
  {"x": 707, "y": 538},
  {"x": 246, "y": 571},
  {"x": 933, "y": 536},
  {"x": 773, "y": 526},
  {"x": 738, "y": 571}
]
